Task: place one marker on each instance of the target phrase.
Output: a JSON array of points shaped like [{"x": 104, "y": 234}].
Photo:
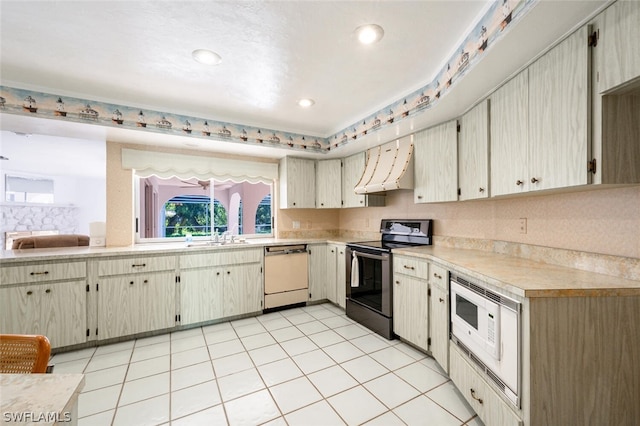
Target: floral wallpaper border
[{"x": 493, "y": 25}]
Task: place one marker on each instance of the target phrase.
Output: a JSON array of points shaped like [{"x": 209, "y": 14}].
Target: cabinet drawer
[
  {"x": 491, "y": 409},
  {"x": 438, "y": 276},
  {"x": 222, "y": 257},
  {"x": 41, "y": 272},
  {"x": 133, "y": 265},
  {"x": 411, "y": 266}
]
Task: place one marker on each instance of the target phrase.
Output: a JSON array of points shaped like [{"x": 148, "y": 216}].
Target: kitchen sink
[{"x": 218, "y": 244}]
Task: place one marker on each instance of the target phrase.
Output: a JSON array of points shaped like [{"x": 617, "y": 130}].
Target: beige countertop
[
  {"x": 518, "y": 276},
  {"x": 523, "y": 277},
  {"x": 59, "y": 253},
  {"x": 44, "y": 397}
]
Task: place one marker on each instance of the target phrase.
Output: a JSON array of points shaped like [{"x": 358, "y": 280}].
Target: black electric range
[{"x": 369, "y": 286}]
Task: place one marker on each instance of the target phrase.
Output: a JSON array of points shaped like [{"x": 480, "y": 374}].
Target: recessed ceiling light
[
  {"x": 306, "y": 102},
  {"x": 370, "y": 33},
  {"x": 206, "y": 57}
]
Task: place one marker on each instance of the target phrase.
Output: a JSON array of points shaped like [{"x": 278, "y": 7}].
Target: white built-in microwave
[{"x": 487, "y": 325}]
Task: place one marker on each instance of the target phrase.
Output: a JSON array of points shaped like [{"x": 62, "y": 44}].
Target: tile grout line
[{"x": 268, "y": 332}]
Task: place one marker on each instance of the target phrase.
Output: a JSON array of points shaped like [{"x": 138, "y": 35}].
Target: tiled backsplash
[
  {"x": 604, "y": 221},
  {"x": 596, "y": 230}
]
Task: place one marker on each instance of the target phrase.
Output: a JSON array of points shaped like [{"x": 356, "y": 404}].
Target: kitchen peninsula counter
[
  {"x": 42, "y": 399},
  {"x": 524, "y": 277}
]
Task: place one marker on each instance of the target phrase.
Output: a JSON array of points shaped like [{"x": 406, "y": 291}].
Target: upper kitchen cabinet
[
  {"x": 352, "y": 170},
  {"x": 329, "y": 184},
  {"x": 509, "y": 135},
  {"x": 616, "y": 71},
  {"x": 618, "y": 46},
  {"x": 436, "y": 164},
  {"x": 473, "y": 153},
  {"x": 539, "y": 123},
  {"x": 297, "y": 183},
  {"x": 559, "y": 145}
]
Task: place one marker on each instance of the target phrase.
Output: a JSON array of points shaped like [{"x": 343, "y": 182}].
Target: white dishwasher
[{"x": 286, "y": 275}]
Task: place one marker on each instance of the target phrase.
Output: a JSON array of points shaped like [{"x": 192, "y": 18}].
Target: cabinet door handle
[
  {"x": 519, "y": 182},
  {"x": 40, "y": 273},
  {"x": 145, "y": 281},
  {"x": 408, "y": 267},
  {"x": 48, "y": 291},
  {"x": 361, "y": 202},
  {"x": 29, "y": 293},
  {"x": 480, "y": 189},
  {"x": 217, "y": 273},
  {"x": 419, "y": 197},
  {"x": 322, "y": 204},
  {"x": 138, "y": 265},
  {"x": 130, "y": 282},
  {"x": 534, "y": 180},
  {"x": 228, "y": 272},
  {"x": 397, "y": 282},
  {"x": 294, "y": 204},
  {"x": 473, "y": 395},
  {"x": 441, "y": 300},
  {"x": 437, "y": 276}
]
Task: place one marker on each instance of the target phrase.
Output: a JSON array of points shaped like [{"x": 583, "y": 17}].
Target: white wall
[{"x": 91, "y": 199}]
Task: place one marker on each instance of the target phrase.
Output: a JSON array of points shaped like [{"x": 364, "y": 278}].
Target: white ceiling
[
  {"x": 138, "y": 53},
  {"x": 37, "y": 155}
]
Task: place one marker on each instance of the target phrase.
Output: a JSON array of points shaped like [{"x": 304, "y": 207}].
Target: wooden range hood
[{"x": 389, "y": 166}]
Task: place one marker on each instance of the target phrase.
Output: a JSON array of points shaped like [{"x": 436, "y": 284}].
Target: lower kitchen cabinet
[
  {"x": 482, "y": 398},
  {"x": 336, "y": 274},
  {"x": 331, "y": 277},
  {"x": 411, "y": 310},
  {"x": 439, "y": 315},
  {"x": 56, "y": 310},
  {"x": 317, "y": 272},
  {"x": 341, "y": 276},
  {"x": 135, "y": 295},
  {"x": 439, "y": 326},
  {"x": 201, "y": 295},
  {"x": 242, "y": 288},
  {"x": 136, "y": 304},
  {"x": 411, "y": 300},
  {"x": 219, "y": 284},
  {"x": 421, "y": 307}
]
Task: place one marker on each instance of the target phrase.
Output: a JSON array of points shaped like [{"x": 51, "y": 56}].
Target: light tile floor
[{"x": 302, "y": 366}]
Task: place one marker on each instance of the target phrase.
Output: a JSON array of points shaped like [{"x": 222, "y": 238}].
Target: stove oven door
[{"x": 369, "y": 281}]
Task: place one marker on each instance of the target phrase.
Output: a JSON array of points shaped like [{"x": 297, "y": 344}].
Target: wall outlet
[
  {"x": 296, "y": 224},
  {"x": 522, "y": 224}
]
